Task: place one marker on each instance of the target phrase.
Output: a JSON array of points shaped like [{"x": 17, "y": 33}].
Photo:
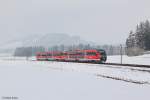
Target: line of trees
[
  {"x": 139, "y": 41},
  {"x": 110, "y": 49},
  {"x": 31, "y": 51},
  {"x": 27, "y": 51}
]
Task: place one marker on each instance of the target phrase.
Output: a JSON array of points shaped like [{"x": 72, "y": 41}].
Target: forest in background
[
  {"x": 31, "y": 51},
  {"x": 136, "y": 44},
  {"x": 139, "y": 40}
]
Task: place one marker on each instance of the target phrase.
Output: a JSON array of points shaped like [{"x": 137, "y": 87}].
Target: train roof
[{"x": 85, "y": 50}]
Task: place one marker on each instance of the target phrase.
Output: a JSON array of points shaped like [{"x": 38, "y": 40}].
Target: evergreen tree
[
  {"x": 140, "y": 36},
  {"x": 131, "y": 40},
  {"x": 140, "y": 39},
  {"x": 147, "y": 35}
]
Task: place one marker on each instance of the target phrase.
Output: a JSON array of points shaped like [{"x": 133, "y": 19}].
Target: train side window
[
  {"x": 54, "y": 54},
  {"x": 49, "y": 54},
  {"x": 91, "y": 53},
  {"x": 80, "y": 53},
  {"x": 43, "y": 55},
  {"x": 38, "y": 55}
]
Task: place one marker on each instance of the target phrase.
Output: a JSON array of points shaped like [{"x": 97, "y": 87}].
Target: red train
[{"x": 91, "y": 55}]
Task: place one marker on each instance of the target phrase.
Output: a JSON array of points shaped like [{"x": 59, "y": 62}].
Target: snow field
[
  {"x": 144, "y": 59},
  {"x": 37, "y": 80}
]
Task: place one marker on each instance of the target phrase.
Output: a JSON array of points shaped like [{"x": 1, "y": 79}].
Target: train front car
[
  {"x": 103, "y": 55},
  {"x": 91, "y": 56}
]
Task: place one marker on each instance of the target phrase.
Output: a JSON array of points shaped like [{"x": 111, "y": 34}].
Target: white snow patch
[
  {"x": 144, "y": 59},
  {"x": 42, "y": 80}
]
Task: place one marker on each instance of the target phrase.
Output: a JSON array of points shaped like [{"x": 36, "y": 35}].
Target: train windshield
[{"x": 103, "y": 53}]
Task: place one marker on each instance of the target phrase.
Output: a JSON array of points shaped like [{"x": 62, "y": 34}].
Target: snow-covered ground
[
  {"x": 40, "y": 80},
  {"x": 144, "y": 59}
]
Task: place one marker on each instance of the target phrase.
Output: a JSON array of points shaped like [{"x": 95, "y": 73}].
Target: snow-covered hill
[{"x": 47, "y": 40}]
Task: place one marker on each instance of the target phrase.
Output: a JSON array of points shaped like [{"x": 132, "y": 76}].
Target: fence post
[{"x": 121, "y": 53}]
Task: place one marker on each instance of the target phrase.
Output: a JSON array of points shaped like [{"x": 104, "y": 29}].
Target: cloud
[
  {"x": 102, "y": 21},
  {"x": 7, "y": 7}
]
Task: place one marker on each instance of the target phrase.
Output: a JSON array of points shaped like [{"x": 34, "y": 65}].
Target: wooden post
[{"x": 121, "y": 53}]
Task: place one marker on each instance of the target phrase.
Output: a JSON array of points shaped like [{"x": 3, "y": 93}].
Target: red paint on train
[{"x": 92, "y": 55}]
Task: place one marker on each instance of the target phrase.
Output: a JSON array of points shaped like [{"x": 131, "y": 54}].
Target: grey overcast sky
[{"x": 100, "y": 21}]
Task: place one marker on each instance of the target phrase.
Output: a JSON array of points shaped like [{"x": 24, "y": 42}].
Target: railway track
[
  {"x": 145, "y": 68},
  {"x": 129, "y": 65},
  {"x": 125, "y": 68},
  {"x": 116, "y": 64},
  {"x": 134, "y": 67}
]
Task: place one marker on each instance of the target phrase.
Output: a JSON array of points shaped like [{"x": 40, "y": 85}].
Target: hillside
[
  {"x": 54, "y": 39},
  {"x": 46, "y": 40}
]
